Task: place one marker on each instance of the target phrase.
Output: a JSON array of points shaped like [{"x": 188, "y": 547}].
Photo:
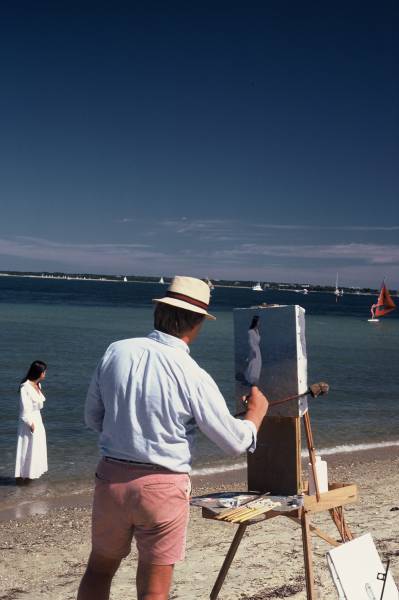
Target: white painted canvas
[{"x": 354, "y": 568}]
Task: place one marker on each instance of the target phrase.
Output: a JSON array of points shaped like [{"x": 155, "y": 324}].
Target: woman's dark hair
[
  {"x": 35, "y": 370},
  {"x": 254, "y": 322},
  {"x": 175, "y": 321}
]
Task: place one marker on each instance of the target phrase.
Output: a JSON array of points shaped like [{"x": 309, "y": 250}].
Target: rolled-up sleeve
[
  {"x": 214, "y": 419},
  {"x": 94, "y": 407}
]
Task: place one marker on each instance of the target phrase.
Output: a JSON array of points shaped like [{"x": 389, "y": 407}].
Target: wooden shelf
[{"x": 338, "y": 494}]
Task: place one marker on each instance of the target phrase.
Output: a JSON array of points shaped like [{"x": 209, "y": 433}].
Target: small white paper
[{"x": 354, "y": 568}]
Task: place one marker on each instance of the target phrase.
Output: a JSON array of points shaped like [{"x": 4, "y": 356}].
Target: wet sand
[{"x": 44, "y": 542}]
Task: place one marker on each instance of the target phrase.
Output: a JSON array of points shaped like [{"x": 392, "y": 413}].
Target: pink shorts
[{"x": 151, "y": 505}]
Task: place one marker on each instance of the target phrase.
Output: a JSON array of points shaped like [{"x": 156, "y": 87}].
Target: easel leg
[
  {"x": 312, "y": 451},
  {"x": 227, "y": 561},
  {"x": 337, "y": 515},
  {"x": 307, "y": 555}
]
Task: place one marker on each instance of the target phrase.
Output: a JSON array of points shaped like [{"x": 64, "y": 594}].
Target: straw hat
[{"x": 188, "y": 293}]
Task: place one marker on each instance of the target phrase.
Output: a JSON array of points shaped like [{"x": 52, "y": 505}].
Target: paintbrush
[{"x": 315, "y": 390}]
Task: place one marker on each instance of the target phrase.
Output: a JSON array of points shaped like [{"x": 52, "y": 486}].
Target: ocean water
[{"x": 68, "y": 324}]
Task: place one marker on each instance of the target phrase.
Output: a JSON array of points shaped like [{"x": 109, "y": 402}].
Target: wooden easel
[{"x": 332, "y": 501}]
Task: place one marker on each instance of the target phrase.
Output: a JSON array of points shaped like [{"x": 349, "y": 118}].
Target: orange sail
[{"x": 384, "y": 305}]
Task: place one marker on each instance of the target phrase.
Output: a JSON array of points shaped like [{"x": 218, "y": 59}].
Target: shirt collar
[{"x": 169, "y": 340}]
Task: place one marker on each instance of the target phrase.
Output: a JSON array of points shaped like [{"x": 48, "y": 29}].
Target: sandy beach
[{"x": 43, "y": 556}]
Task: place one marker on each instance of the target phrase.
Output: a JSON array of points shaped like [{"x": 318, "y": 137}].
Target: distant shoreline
[{"x": 275, "y": 287}]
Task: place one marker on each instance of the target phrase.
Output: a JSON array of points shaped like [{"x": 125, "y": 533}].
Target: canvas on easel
[{"x": 270, "y": 352}]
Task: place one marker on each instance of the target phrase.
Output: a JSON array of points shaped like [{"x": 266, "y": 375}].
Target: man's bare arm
[{"x": 257, "y": 405}]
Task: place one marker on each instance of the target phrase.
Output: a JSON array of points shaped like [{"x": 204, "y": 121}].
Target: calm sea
[{"x": 68, "y": 324}]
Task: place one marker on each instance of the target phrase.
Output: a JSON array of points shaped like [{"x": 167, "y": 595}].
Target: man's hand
[
  {"x": 32, "y": 427},
  {"x": 257, "y": 404}
]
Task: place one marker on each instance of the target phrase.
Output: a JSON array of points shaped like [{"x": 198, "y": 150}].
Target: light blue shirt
[{"x": 146, "y": 397}]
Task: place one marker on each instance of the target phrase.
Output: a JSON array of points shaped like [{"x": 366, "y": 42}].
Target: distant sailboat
[
  {"x": 125, "y": 279},
  {"x": 161, "y": 280},
  {"x": 210, "y": 284},
  {"x": 257, "y": 287},
  {"x": 384, "y": 305},
  {"x": 337, "y": 291}
]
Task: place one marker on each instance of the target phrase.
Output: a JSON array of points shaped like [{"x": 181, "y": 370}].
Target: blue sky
[{"x": 254, "y": 140}]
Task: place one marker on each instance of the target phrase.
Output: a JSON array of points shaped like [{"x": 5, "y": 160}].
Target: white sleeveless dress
[{"x": 31, "y": 461}]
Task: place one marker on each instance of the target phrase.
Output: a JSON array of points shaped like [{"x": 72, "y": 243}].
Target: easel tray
[
  {"x": 339, "y": 494},
  {"x": 211, "y": 510}
]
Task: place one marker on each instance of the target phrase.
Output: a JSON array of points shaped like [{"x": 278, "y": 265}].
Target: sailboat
[
  {"x": 384, "y": 305},
  {"x": 257, "y": 287},
  {"x": 161, "y": 280},
  {"x": 210, "y": 284},
  {"x": 125, "y": 279},
  {"x": 337, "y": 291}
]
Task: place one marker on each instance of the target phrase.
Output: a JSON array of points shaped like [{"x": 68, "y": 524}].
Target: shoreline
[
  {"x": 44, "y": 555},
  {"x": 34, "y": 503},
  {"x": 347, "y": 292}
]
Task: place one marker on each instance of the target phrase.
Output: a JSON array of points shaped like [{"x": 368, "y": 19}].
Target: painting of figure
[
  {"x": 270, "y": 352},
  {"x": 254, "y": 358}
]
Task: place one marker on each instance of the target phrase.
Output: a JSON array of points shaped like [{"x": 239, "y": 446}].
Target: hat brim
[{"x": 185, "y": 306}]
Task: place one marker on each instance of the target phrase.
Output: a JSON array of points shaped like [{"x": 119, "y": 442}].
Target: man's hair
[{"x": 175, "y": 321}]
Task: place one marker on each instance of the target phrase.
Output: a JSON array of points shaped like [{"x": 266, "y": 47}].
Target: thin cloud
[
  {"x": 53, "y": 244},
  {"x": 97, "y": 256},
  {"x": 223, "y": 230},
  {"x": 303, "y": 227},
  {"x": 185, "y": 225},
  {"x": 371, "y": 253},
  {"x": 370, "y": 228},
  {"x": 126, "y": 220},
  {"x": 229, "y": 224}
]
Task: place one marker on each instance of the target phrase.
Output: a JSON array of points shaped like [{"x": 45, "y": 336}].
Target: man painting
[{"x": 145, "y": 400}]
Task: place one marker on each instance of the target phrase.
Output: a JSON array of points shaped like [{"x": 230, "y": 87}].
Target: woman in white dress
[{"x": 31, "y": 461}]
